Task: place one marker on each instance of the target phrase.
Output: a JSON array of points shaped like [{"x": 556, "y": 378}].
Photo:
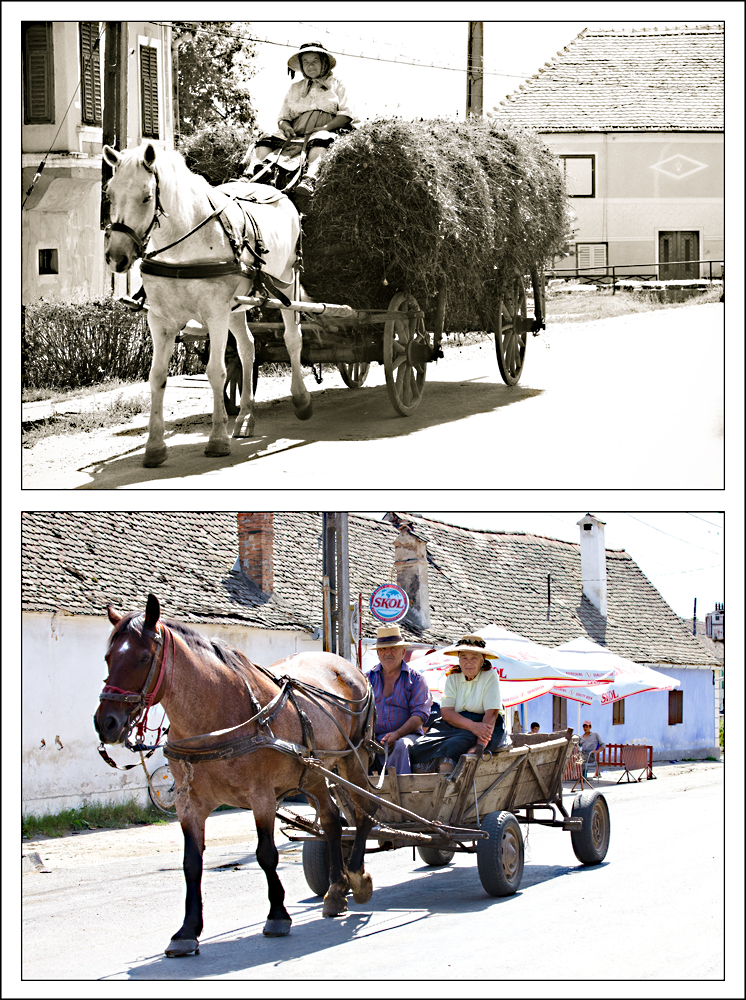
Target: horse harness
[
  {"x": 239, "y": 242},
  {"x": 239, "y": 746}
]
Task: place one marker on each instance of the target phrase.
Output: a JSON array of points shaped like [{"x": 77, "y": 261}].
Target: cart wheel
[
  {"x": 591, "y": 842},
  {"x": 511, "y": 330},
  {"x": 405, "y": 375},
  {"x": 162, "y": 791},
  {"x": 354, "y": 373},
  {"x": 500, "y": 859},
  {"x": 316, "y": 864},
  {"x": 435, "y": 856}
]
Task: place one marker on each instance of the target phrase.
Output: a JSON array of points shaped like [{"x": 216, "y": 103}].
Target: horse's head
[
  {"x": 133, "y": 201},
  {"x": 131, "y": 655}
]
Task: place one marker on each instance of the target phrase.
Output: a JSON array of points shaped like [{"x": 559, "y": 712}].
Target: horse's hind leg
[
  {"x": 360, "y": 881},
  {"x": 244, "y": 426},
  {"x": 163, "y": 346},
  {"x": 302, "y": 402},
  {"x": 335, "y": 901},
  {"x": 219, "y": 443},
  {"x": 278, "y": 919},
  {"x": 185, "y": 940}
]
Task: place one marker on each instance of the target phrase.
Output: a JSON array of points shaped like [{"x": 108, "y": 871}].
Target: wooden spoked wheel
[
  {"x": 511, "y": 330},
  {"x": 403, "y": 340},
  {"x": 354, "y": 373}
]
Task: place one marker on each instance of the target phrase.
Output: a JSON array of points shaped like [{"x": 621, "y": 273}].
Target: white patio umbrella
[{"x": 629, "y": 677}]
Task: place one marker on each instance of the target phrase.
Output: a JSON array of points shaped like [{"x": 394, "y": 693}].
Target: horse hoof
[
  {"x": 244, "y": 429},
  {"x": 215, "y": 449},
  {"x": 180, "y": 947},
  {"x": 154, "y": 457},
  {"x": 304, "y": 412},
  {"x": 362, "y": 886},
  {"x": 334, "y": 906},
  {"x": 277, "y": 928}
]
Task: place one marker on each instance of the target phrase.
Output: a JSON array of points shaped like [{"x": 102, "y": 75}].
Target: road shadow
[
  {"x": 339, "y": 415},
  {"x": 447, "y": 890}
]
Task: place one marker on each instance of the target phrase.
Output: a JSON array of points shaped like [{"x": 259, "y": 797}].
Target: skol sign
[{"x": 389, "y": 603}]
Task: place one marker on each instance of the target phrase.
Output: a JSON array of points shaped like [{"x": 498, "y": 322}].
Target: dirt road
[{"x": 620, "y": 403}]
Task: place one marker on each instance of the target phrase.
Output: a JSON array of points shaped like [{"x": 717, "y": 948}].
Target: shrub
[
  {"x": 216, "y": 150},
  {"x": 67, "y": 345},
  {"x": 409, "y": 205}
]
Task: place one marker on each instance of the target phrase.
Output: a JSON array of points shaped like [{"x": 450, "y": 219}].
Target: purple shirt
[{"x": 411, "y": 696}]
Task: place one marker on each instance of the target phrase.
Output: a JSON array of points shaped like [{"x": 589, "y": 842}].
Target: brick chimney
[
  {"x": 255, "y": 543},
  {"x": 593, "y": 561},
  {"x": 410, "y": 556}
]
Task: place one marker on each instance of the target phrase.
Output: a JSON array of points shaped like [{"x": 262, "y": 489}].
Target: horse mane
[{"x": 179, "y": 187}]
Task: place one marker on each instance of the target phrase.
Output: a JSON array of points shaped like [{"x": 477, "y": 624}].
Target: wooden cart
[
  {"x": 396, "y": 338},
  {"x": 475, "y": 810}
]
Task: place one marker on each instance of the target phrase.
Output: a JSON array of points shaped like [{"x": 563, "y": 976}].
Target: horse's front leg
[
  {"x": 335, "y": 900},
  {"x": 219, "y": 443},
  {"x": 163, "y": 345},
  {"x": 244, "y": 426},
  {"x": 278, "y": 918},
  {"x": 302, "y": 402},
  {"x": 185, "y": 940}
]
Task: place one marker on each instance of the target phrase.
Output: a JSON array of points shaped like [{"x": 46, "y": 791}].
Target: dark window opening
[
  {"x": 90, "y": 73},
  {"x": 38, "y": 73},
  {"x": 675, "y": 707},
  {"x": 618, "y": 713},
  {"x": 48, "y": 262}
]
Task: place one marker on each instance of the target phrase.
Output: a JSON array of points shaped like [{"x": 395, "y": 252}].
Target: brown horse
[{"x": 266, "y": 721}]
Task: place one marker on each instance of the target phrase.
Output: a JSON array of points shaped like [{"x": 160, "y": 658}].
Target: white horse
[{"x": 155, "y": 201}]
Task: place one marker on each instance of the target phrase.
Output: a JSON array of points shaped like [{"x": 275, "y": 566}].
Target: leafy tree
[{"x": 215, "y": 66}]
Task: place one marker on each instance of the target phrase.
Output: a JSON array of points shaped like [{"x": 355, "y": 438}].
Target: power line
[
  {"x": 351, "y": 55},
  {"x": 711, "y": 551},
  {"x": 703, "y": 519}
]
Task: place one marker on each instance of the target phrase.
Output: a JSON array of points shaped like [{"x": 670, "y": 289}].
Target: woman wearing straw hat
[
  {"x": 471, "y": 710},
  {"x": 316, "y": 104}
]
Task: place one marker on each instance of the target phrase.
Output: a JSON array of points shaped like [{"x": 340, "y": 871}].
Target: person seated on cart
[
  {"x": 471, "y": 710},
  {"x": 318, "y": 103},
  {"x": 402, "y": 699}
]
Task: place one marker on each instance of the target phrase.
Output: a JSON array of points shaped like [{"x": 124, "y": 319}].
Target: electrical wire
[
  {"x": 703, "y": 519},
  {"x": 711, "y": 551}
]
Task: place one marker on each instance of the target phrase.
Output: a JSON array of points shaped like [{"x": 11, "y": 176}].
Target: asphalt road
[
  {"x": 633, "y": 402},
  {"x": 109, "y": 901}
]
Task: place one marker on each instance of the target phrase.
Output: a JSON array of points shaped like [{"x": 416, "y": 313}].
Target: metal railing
[{"x": 616, "y": 270}]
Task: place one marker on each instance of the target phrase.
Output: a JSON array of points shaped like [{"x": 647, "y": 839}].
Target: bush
[
  {"x": 410, "y": 205},
  {"x": 216, "y": 150},
  {"x": 68, "y": 345}
]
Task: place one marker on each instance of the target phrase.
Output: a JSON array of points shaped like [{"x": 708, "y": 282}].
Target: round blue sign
[{"x": 389, "y": 603}]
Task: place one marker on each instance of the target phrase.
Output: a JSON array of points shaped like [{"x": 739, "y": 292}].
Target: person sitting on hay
[{"x": 316, "y": 105}]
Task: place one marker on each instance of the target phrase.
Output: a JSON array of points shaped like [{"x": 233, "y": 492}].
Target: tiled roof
[
  {"x": 662, "y": 79},
  {"x": 83, "y": 561},
  {"x": 714, "y": 646}
]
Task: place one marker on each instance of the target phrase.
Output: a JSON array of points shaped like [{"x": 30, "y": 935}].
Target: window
[
  {"x": 90, "y": 73},
  {"x": 38, "y": 72},
  {"x": 149, "y": 88},
  {"x": 580, "y": 175},
  {"x": 675, "y": 707},
  {"x": 591, "y": 255},
  {"x": 618, "y": 713},
  {"x": 559, "y": 713},
  {"x": 48, "y": 262}
]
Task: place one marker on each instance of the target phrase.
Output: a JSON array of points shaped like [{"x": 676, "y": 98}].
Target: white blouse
[{"x": 329, "y": 94}]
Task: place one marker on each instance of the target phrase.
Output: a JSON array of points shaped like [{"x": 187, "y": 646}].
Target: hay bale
[{"x": 404, "y": 205}]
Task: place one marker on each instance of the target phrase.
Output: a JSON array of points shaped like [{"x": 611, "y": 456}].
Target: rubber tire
[
  {"x": 500, "y": 859},
  {"x": 436, "y": 857},
  {"x": 316, "y": 866},
  {"x": 592, "y": 842}
]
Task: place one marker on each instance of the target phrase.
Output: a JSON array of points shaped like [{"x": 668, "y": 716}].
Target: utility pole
[
  {"x": 474, "y": 73},
  {"x": 336, "y": 585},
  {"x": 115, "y": 101}
]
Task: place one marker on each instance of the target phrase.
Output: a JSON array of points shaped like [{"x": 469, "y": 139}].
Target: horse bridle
[{"x": 141, "y": 241}]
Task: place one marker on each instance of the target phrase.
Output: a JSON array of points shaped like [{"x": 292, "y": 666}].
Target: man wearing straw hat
[{"x": 402, "y": 699}]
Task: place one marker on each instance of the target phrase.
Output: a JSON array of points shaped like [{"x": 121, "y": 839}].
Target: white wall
[{"x": 63, "y": 671}]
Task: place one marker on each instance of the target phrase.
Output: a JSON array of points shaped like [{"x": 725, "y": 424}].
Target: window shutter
[
  {"x": 90, "y": 73},
  {"x": 149, "y": 88},
  {"x": 675, "y": 707},
  {"x": 38, "y": 73},
  {"x": 584, "y": 255}
]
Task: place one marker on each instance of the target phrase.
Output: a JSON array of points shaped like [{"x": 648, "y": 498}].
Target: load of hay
[{"x": 408, "y": 205}]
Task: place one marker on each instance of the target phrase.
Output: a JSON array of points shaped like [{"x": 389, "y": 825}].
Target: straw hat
[
  {"x": 294, "y": 60},
  {"x": 471, "y": 644},
  {"x": 388, "y": 637}
]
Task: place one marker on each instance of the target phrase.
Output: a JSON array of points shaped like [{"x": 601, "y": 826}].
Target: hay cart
[
  {"x": 396, "y": 337},
  {"x": 475, "y": 810}
]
